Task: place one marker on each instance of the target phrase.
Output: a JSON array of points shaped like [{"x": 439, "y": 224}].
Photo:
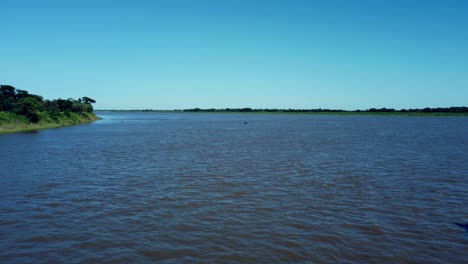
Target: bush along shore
[{"x": 22, "y": 111}]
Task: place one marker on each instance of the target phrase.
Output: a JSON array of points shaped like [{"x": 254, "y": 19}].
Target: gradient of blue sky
[{"x": 238, "y": 53}]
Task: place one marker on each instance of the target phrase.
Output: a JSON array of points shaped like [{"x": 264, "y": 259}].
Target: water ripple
[{"x": 201, "y": 188}]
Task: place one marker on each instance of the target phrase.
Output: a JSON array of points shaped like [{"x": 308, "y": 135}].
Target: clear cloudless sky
[{"x": 173, "y": 54}]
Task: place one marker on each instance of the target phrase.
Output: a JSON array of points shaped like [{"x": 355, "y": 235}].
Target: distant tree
[
  {"x": 7, "y": 103},
  {"x": 87, "y": 100},
  {"x": 64, "y": 105},
  {"x": 78, "y": 107},
  {"x": 21, "y": 94},
  {"x": 7, "y": 91},
  {"x": 29, "y": 107},
  {"x": 7, "y": 97}
]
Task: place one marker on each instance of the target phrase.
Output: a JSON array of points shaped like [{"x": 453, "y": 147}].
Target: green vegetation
[
  {"x": 450, "y": 111},
  {"x": 372, "y": 111},
  {"x": 22, "y": 111}
]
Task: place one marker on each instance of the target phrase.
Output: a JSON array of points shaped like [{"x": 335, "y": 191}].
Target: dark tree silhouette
[{"x": 87, "y": 100}]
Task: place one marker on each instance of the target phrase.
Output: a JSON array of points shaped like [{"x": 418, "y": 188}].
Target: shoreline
[
  {"x": 21, "y": 126},
  {"x": 343, "y": 113}
]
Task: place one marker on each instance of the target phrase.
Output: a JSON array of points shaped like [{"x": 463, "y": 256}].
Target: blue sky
[{"x": 238, "y": 53}]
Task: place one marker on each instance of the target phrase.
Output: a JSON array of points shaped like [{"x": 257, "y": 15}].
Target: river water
[{"x": 231, "y": 188}]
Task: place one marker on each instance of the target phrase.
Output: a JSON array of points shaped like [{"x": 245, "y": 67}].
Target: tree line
[
  {"x": 462, "y": 109},
  {"x": 33, "y": 107},
  {"x": 248, "y": 109}
]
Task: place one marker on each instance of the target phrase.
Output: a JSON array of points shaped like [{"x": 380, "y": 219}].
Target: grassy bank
[{"x": 10, "y": 122}]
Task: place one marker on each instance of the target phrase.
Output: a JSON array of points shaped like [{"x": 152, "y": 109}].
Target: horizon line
[{"x": 250, "y": 109}]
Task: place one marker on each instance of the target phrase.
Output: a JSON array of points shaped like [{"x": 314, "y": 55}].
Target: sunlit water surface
[{"x": 181, "y": 187}]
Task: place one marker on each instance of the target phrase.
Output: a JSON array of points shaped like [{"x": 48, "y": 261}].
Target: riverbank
[
  {"x": 340, "y": 113},
  {"x": 10, "y": 122}
]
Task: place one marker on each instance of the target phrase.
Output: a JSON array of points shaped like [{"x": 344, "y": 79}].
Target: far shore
[{"x": 340, "y": 113}]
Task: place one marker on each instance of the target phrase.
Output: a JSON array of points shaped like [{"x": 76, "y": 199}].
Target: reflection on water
[
  {"x": 29, "y": 132},
  {"x": 145, "y": 187}
]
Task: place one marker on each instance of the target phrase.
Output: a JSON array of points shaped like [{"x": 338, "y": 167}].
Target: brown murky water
[{"x": 147, "y": 187}]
